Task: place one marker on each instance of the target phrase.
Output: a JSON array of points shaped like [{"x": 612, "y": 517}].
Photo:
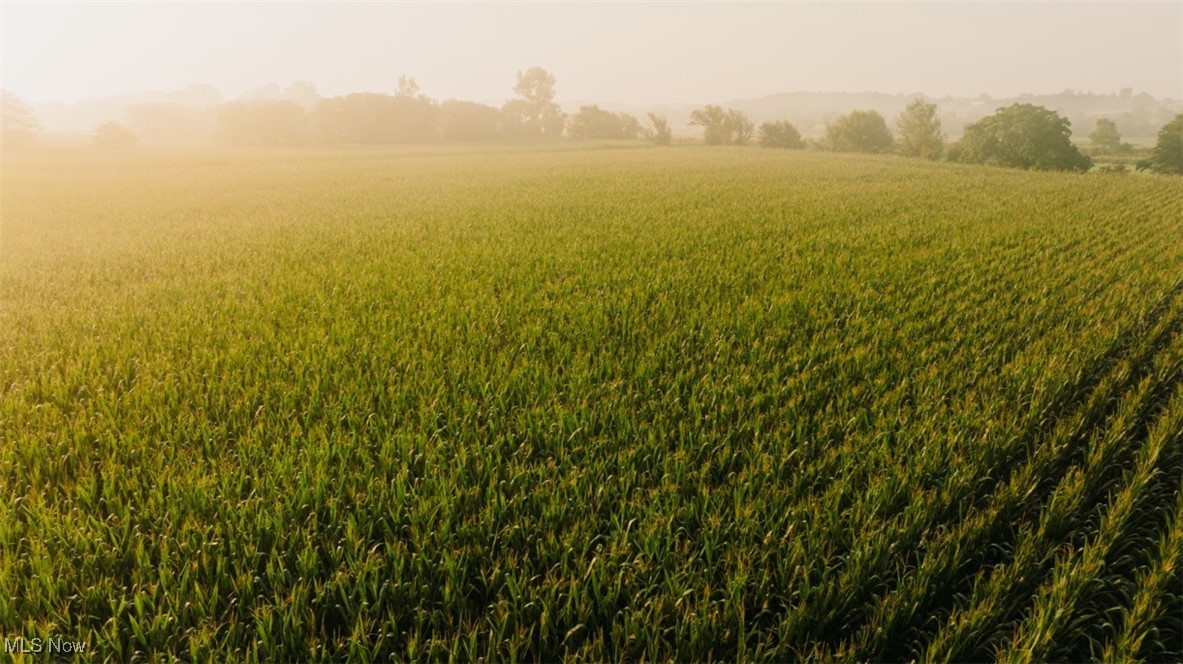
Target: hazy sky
[{"x": 608, "y": 52}]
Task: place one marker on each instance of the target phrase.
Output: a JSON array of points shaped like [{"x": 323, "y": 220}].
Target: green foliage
[
  {"x": 1023, "y": 136},
  {"x": 860, "y": 131},
  {"x": 588, "y": 405},
  {"x": 1104, "y": 136},
  {"x": 722, "y": 127},
  {"x": 595, "y": 122},
  {"x": 1168, "y": 150},
  {"x": 18, "y": 125},
  {"x": 113, "y": 136},
  {"x": 919, "y": 128},
  {"x": 780, "y": 135},
  {"x": 953, "y": 151}
]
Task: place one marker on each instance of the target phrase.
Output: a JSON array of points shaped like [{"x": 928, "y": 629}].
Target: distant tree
[
  {"x": 414, "y": 116},
  {"x": 713, "y": 120},
  {"x": 156, "y": 121},
  {"x": 1023, "y": 136},
  {"x": 1168, "y": 150},
  {"x": 19, "y": 125},
  {"x": 953, "y": 151},
  {"x": 595, "y": 122},
  {"x": 741, "y": 127},
  {"x": 860, "y": 131},
  {"x": 514, "y": 119},
  {"x": 368, "y": 117},
  {"x": 722, "y": 127},
  {"x": 113, "y": 136},
  {"x": 920, "y": 131},
  {"x": 659, "y": 130},
  {"x": 408, "y": 88},
  {"x": 467, "y": 121},
  {"x": 780, "y": 135},
  {"x": 261, "y": 123},
  {"x": 1104, "y": 137},
  {"x": 534, "y": 112},
  {"x": 303, "y": 93}
]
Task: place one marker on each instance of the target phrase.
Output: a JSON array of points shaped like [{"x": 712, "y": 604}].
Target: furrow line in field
[
  {"x": 1062, "y": 599},
  {"x": 1158, "y": 596},
  {"x": 981, "y": 619},
  {"x": 948, "y": 554}
]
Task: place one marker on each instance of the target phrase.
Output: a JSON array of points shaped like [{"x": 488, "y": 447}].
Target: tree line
[
  {"x": 1021, "y": 135},
  {"x": 1018, "y": 136},
  {"x": 408, "y": 116}
]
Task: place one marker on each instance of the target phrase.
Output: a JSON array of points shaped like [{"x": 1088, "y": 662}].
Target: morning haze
[{"x": 641, "y": 54}]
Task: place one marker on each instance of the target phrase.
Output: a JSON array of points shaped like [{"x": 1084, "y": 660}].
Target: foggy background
[{"x": 79, "y": 63}]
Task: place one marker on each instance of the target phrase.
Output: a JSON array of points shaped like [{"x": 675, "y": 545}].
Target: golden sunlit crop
[{"x": 537, "y": 403}]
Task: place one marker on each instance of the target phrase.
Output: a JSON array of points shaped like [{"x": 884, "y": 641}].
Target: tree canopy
[
  {"x": 19, "y": 125},
  {"x": 722, "y": 127},
  {"x": 1023, "y": 136},
  {"x": 467, "y": 121},
  {"x": 1168, "y": 150},
  {"x": 534, "y": 112},
  {"x": 1104, "y": 136},
  {"x": 659, "y": 130},
  {"x": 595, "y": 122},
  {"x": 860, "y": 131},
  {"x": 920, "y": 131},
  {"x": 780, "y": 134}
]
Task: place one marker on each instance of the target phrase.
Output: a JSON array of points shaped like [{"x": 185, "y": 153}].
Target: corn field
[{"x": 581, "y": 403}]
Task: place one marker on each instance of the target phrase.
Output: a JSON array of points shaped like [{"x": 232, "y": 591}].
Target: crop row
[{"x": 685, "y": 404}]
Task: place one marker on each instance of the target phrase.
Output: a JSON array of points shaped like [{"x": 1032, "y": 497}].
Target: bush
[
  {"x": 780, "y": 135},
  {"x": 860, "y": 131}
]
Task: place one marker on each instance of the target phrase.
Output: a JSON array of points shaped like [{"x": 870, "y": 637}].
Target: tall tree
[
  {"x": 1104, "y": 137},
  {"x": 741, "y": 127},
  {"x": 1168, "y": 150},
  {"x": 722, "y": 127},
  {"x": 408, "y": 88},
  {"x": 414, "y": 117},
  {"x": 18, "y": 123},
  {"x": 659, "y": 131},
  {"x": 534, "y": 112},
  {"x": 920, "y": 131},
  {"x": 1023, "y": 136},
  {"x": 713, "y": 120},
  {"x": 860, "y": 131}
]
